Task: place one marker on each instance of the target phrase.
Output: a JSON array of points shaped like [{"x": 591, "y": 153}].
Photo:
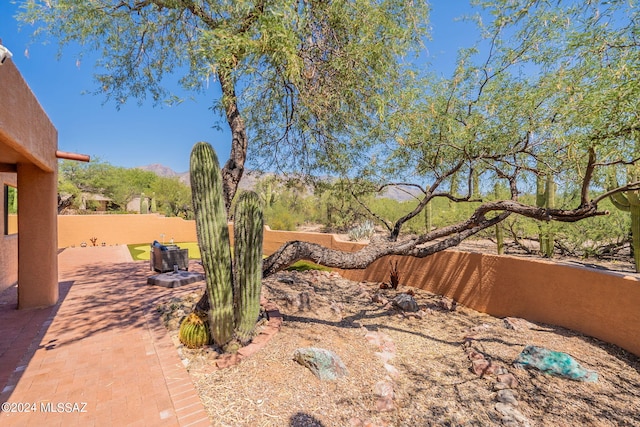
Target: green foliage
[
  {"x": 362, "y": 231},
  {"x": 325, "y": 91},
  {"x": 309, "y": 71},
  {"x": 288, "y": 203},
  {"x": 306, "y": 266},
  {"x": 173, "y": 197},
  {"x": 12, "y": 199},
  {"x": 119, "y": 184},
  {"x": 170, "y": 196}
]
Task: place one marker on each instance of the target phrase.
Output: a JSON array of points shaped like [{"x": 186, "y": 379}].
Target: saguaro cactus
[
  {"x": 144, "y": 204},
  {"x": 629, "y": 201},
  {"x": 247, "y": 263},
  {"x": 546, "y": 198},
  {"x": 233, "y": 287},
  {"x": 499, "y": 239},
  {"x": 428, "y": 217},
  {"x": 154, "y": 204},
  {"x": 497, "y": 193},
  {"x": 213, "y": 239}
]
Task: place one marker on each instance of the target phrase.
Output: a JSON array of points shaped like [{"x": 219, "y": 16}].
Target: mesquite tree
[
  {"x": 327, "y": 90},
  {"x": 551, "y": 89},
  {"x": 323, "y": 65}
]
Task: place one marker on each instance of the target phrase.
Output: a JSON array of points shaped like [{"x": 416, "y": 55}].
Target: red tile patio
[{"x": 101, "y": 356}]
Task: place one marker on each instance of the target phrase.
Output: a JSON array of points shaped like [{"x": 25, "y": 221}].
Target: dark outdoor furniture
[{"x": 168, "y": 258}]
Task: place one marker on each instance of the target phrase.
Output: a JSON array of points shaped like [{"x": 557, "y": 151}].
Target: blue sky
[{"x": 141, "y": 135}]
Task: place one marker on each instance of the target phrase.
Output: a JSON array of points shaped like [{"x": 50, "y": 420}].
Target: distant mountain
[
  {"x": 248, "y": 181},
  {"x": 166, "y": 171},
  {"x": 401, "y": 193},
  {"x": 250, "y": 178}
]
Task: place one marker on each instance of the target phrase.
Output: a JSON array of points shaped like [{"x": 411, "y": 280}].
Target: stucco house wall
[{"x": 28, "y": 145}]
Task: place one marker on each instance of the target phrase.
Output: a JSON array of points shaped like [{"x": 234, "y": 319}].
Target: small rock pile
[{"x": 505, "y": 384}]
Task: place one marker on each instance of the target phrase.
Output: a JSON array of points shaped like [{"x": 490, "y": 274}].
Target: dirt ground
[{"x": 443, "y": 365}]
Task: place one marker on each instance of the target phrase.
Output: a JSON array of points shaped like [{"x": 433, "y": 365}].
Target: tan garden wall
[
  {"x": 599, "y": 304},
  {"x": 73, "y": 230}
]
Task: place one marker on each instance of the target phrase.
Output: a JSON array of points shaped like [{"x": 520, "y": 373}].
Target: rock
[
  {"x": 501, "y": 370},
  {"x": 508, "y": 379},
  {"x": 384, "y": 391},
  {"x": 447, "y": 304},
  {"x": 511, "y": 414},
  {"x": 384, "y": 404},
  {"x": 337, "y": 308},
  {"x": 325, "y": 364},
  {"x": 507, "y": 396},
  {"x": 382, "y": 341},
  {"x": 379, "y": 298},
  {"x": 475, "y": 355},
  {"x": 554, "y": 363},
  {"x": 483, "y": 367},
  {"x": 517, "y": 323},
  {"x": 500, "y": 386},
  {"x": 393, "y": 372},
  {"x": 405, "y": 302},
  {"x": 385, "y": 356}
]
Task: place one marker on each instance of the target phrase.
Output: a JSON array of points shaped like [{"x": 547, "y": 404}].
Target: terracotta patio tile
[
  {"x": 103, "y": 341},
  {"x": 195, "y": 419}
]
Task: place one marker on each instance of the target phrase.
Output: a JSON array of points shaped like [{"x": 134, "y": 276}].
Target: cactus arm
[
  {"x": 632, "y": 197},
  {"x": 500, "y": 239},
  {"x": 635, "y": 235},
  {"x": 247, "y": 268},
  {"x": 213, "y": 238},
  {"x": 540, "y": 193},
  {"x": 620, "y": 201}
]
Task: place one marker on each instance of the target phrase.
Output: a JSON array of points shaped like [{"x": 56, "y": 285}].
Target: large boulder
[
  {"x": 325, "y": 364},
  {"x": 405, "y": 302}
]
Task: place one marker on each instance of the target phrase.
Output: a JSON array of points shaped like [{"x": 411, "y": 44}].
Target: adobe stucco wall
[
  {"x": 25, "y": 128},
  {"x": 8, "y": 244},
  {"x": 28, "y": 145},
  {"x": 122, "y": 229},
  {"x": 600, "y": 304}
]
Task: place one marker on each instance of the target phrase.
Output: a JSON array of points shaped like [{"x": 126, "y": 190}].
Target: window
[{"x": 10, "y": 210}]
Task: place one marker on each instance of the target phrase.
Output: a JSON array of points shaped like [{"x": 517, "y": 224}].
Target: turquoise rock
[
  {"x": 325, "y": 364},
  {"x": 554, "y": 363}
]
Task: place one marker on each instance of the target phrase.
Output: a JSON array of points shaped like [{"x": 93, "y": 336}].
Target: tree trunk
[{"x": 234, "y": 167}]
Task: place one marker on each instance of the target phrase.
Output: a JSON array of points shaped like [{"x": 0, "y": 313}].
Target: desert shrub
[{"x": 362, "y": 231}]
